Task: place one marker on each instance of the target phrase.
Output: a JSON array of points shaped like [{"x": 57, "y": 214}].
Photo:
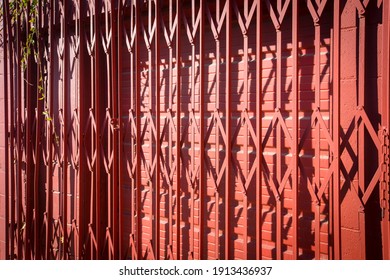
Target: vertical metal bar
[
  {"x": 178, "y": 129},
  {"x": 133, "y": 94},
  {"x": 361, "y": 96},
  {"x": 278, "y": 210},
  {"x": 259, "y": 112},
  {"x": 6, "y": 128},
  {"x": 228, "y": 183},
  {"x": 192, "y": 136},
  {"x": 336, "y": 130},
  {"x": 29, "y": 115},
  {"x": 158, "y": 116},
  {"x": 76, "y": 133},
  {"x": 11, "y": 225},
  {"x": 116, "y": 123},
  {"x": 330, "y": 188},
  {"x": 91, "y": 43},
  {"x": 39, "y": 83},
  {"x": 96, "y": 93},
  {"x": 138, "y": 125},
  {"x": 295, "y": 89},
  {"x": 133, "y": 111},
  {"x": 82, "y": 169},
  {"x": 386, "y": 19},
  {"x": 150, "y": 122},
  {"x": 120, "y": 132},
  {"x": 19, "y": 139},
  {"x": 171, "y": 137},
  {"x": 217, "y": 132},
  {"x": 65, "y": 131},
  {"x": 361, "y": 130},
  {"x": 246, "y": 132},
  {"x": 49, "y": 137},
  {"x": 217, "y": 215},
  {"x": 316, "y": 181},
  {"x": 202, "y": 177},
  {"x": 386, "y": 119},
  {"x": 106, "y": 103}
]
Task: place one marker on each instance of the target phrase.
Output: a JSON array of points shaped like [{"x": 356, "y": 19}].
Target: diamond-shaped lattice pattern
[
  {"x": 244, "y": 180},
  {"x": 317, "y": 122},
  {"x": 196, "y": 129},
  {"x": 277, "y": 186},
  {"x": 362, "y": 190},
  {"x": 216, "y": 124},
  {"x": 107, "y": 131},
  {"x": 90, "y": 150}
]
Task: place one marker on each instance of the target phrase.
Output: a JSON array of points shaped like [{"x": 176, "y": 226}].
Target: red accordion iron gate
[{"x": 226, "y": 129}]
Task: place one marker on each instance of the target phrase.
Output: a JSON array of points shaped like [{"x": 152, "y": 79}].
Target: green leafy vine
[{"x": 25, "y": 14}]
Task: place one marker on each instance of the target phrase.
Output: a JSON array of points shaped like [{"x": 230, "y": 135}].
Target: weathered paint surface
[{"x": 226, "y": 129}]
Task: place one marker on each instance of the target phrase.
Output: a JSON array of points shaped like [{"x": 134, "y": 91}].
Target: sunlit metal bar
[
  {"x": 244, "y": 114},
  {"x": 106, "y": 134},
  {"x": 12, "y": 160},
  {"x": 385, "y": 191},
  {"x": 316, "y": 179},
  {"x": 259, "y": 112},
  {"x": 295, "y": 157},
  {"x": 228, "y": 177},
  {"x": 361, "y": 131},
  {"x": 157, "y": 91},
  {"x": 202, "y": 124},
  {"x": 178, "y": 129},
  {"x": 336, "y": 130},
  {"x": 279, "y": 175},
  {"x": 192, "y": 29},
  {"x": 137, "y": 78},
  {"x": 169, "y": 32},
  {"x": 133, "y": 94},
  {"x": 217, "y": 115}
]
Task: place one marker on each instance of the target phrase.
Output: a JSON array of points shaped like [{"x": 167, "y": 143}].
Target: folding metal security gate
[{"x": 226, "y": 129}]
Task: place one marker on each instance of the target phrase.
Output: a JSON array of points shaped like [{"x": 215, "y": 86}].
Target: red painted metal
[
  {"x": 20, "y": 226},
  {"x": 259, "y": 112},
  {"x": 295, "y": 155},
  {"x": 178, "y": 133},
  {"x": 81, "y": 112},
  {"x": 99, "y": 113},
  {"x": 201, "y": 128},
  {"x": 385, "y": 189},
  {"x": 137, "y": 97},
  {"x": 5, "y": 40},
  {"x": 336, "y": 131},
  {"x": 226, "y": 129},
  {"x": 228, "y": 137},
  {"x": 49, "y": 140}
]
